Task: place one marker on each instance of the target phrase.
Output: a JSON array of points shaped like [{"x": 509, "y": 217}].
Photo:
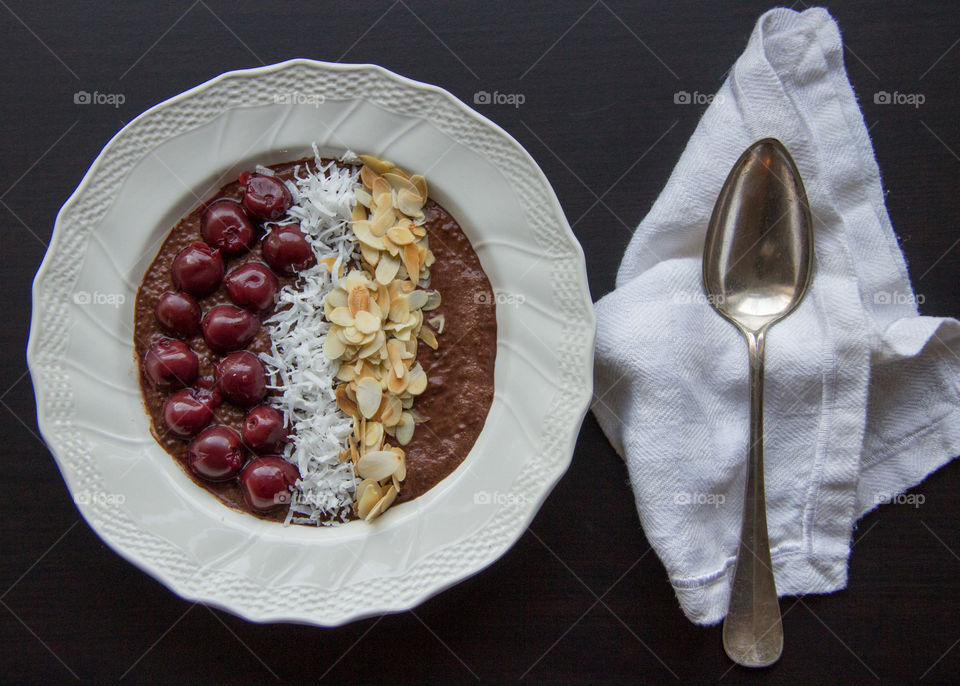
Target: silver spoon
[{"x": 756, "y": 268}]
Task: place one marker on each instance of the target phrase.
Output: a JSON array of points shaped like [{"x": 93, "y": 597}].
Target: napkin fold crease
[{"x": 862, "y": 393}]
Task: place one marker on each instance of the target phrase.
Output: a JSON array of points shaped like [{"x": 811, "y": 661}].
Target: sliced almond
[
  {"x": 418, "y": 299},
  {"x": 400, "y": 182},
  {"x": 364, "y": 234},
  {"x": 404, "y": 429},
  {"x": 336, "y": 298},
  {"x": 368, "y": 396},
  {"x": 417, "y": 380},
  {"x": 368, "y": 176},
  {"x": 438, "y": 322},
  {"x": 346, "y": 405},
  {"x": 385, "y": 502},
  {"x": 387, "y": 269},
  {"x": 341, "y": 317},
  {"x": 352, "y": 335},
  {"x": 346, "y": 373},
  {"x": 411, "y": 260},
  {"x": 390, "y": 412},
  {"x": 359, "y": 212},
  {"x": 358, "y": 300},
  {"x": 400, "y": 235},
  {"x": 363, "y": 198},
  {"x": 428, "y": 337},
  {"x": 368, "y": 497},
  {"x": 333, "y": 347},
  {"x": 376, "y": 164},
  {"x": 366, "y": 322},
  {"x": 420, "y": 184},
  {"x": 369, "y": 254},
  {"x": 373, "y": 434},
  {"x": 378, "y": 464},
  {"x": 433, "y": 300},
  {"x": 409, "y": 201},
  {"x": 397, "y": 383}
]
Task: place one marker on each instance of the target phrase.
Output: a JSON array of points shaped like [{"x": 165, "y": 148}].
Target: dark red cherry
[
  {"x": 216, "y": 454},
  {"x": 170, "y": 364},
  {"x": 197, "y": 269},
  {"x": 263, "y": 430},
  {"x": 265, "y": 197},
  {"x": 187, "y": 411},
  {"x": 266, "y": 482},
  {"x": 252, "y": 285},
  {"x": 226, "y": 226},
  {"x": 286, "y": 249},
  {"x": 226, "y": 327},
  {"x": 242, "y": 379},
  {"x": 179, "y": 314}
]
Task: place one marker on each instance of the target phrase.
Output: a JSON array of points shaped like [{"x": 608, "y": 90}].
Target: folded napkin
[{"x": 861, "y": 392}]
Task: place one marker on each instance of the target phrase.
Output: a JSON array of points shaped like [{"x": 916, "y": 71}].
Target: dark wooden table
[{"x": 580, "y": 598}]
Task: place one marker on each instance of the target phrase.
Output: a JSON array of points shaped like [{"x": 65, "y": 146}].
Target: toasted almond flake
[
  {"x": 363, "y": 198},
  {"x": 352, "y": 335},
  {"x": 382, "y": 220},
  {"x": 409, "y": 201},
  {"x": 433, "y": 301},
  {"x": 376, "y": 164},
  {"x": 428, "y": 337},
  {"x": 346, "y": 405},
  {"x": 346, "y": 373},
  {"x": 358, "y": 213},
  {"x": 401, "y": 473},
  {"x": 366, "y": 322},
  {"x": 397, "y": 383},
  {"x": 378, "y": 464},
  {"x": 358, "y": 300},
  {"x": 417, "y": 382},
  {"x": 397, "y": 180},
  {"x": 399, "y": 310},
  {"x": 368, "y": 499},
  {"x": 372, "y": 347},
  {"x": 400, "y": 235},
  {"x": 387, "y": 269},
  {"x": 404, "y": 430},
  {"x": 438, "y": 322},
  {"x": 368, "y": 396},
  {"x": 417, "y": 299},
  {"x": 336, "y": 298},
  {"x": 382, "y": 193},
  {"x": 333, "y": 348},
  {"x": 385, "y": 502},
  {"x": 411, "y": 260},
  {"x": 369, "y": 254},
  {"x": 368, "y": 176},
  {"x": 390, "y": 412},
  {"x": 419, "y": 231},
  {"x": 390, "y": 246},
  {"x": 341, "y": 317},
  {"x": 373, "y": 434},
  {"x": 364, "y": 234},
  {"x": 420, "y": 184}
]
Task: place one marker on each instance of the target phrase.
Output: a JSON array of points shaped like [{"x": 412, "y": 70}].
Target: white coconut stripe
[{"x": 323, "y": 203}]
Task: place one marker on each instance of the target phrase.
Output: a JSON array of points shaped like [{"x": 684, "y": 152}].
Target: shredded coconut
[{"x": 322, "y": 204}]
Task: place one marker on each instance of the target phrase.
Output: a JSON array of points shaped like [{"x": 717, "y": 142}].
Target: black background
[{"x": 579, "y": 598}]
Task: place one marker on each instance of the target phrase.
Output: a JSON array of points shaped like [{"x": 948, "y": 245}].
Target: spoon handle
[{"x": 752, "y": 630}]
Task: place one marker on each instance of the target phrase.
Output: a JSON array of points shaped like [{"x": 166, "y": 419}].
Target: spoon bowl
[{"x": 757, "y": 265}]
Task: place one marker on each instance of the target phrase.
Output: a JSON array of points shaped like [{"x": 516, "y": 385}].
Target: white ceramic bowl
[{"x": 81, "y": 358}]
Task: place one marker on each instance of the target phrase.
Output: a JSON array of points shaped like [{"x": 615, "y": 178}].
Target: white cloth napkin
[{"x": 861, "y": 392}]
